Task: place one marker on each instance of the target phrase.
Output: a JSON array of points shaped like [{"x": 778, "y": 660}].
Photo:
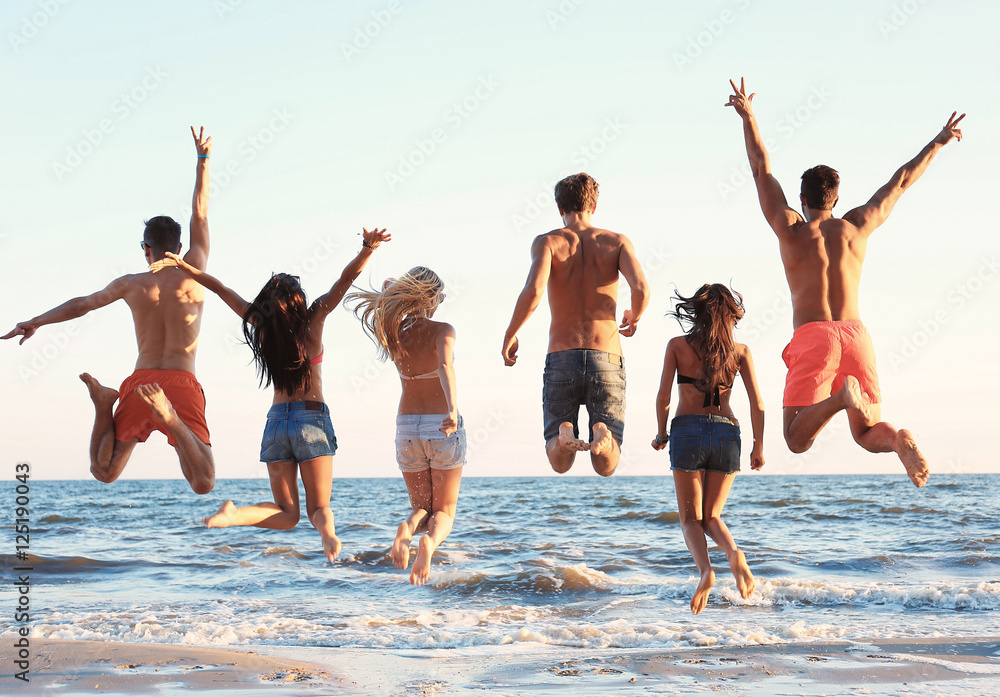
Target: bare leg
[
  {"x": 880, "y": 437},
  {"x": 562, "y": 449},
  {"x": 108, "y": 456},
  {"x": 803, "y": 424},
  {"x": 421, "y": 491},
  {"x": 604, "y": 451},
  {"x": 445, "y": 486},
  {"x": 282, "y": 514},
  {"x": 197, "y": 463},
  {"x": 416, "y": 522},
  {"x": 317, "y": 478},
  {"x": 717, "y": 486},
  {"x": 689, "y": 488}
]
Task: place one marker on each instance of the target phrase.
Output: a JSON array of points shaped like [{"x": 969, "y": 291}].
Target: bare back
[
  {"x": 822, "y": 260},
  {"x": 583, "y": 289},
  {"x": 422, "y": 339},
  {"x": 690, "y": 364},
  {"x": 166, "y": 310}
]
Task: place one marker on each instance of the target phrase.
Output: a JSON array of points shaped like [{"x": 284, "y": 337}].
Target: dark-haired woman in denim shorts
[
  {"x": 704, "y": 436},
  {"x": 285, "y": 334}
]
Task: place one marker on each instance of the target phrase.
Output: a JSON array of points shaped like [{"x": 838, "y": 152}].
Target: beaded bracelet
[{"x": 662, "y": 441}]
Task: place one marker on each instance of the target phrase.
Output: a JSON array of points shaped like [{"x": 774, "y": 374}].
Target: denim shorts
[
  {"x": 704, "y": 442},
  {"x": 420, "y": 444},
  {"x": 296, "y": 432},
  {"x": 595, "y": 379}
]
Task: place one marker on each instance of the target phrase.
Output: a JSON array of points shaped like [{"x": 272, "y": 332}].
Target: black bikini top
[{"x": 711, "y": 398}]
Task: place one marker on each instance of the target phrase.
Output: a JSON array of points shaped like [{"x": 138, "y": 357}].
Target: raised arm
[
  {"x": 772, "y": 199},
  {"x": 446, "y": 374},
  {"x": 228, "y": 295},
  {"x": 531, "y": 295},
  {"x": 629, "y": 267},
  {"x": 197, "y": 254},
  {"x": 874, "y": 213},
  {"x": 326, "y": 303},
  {"x": 663, "y": 397},
  {"x": 756, "y": 408},
  {"x": 71, "y": 309}
]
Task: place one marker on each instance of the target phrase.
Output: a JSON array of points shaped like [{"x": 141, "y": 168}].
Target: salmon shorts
[
  {"x": 135, "y": 419},
  {"x": 819, "y": 357}
]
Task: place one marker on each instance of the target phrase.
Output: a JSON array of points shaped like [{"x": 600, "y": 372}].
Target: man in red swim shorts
[
  {"x": 831, "y": 365},
  {"x": 163, "y": 393}
]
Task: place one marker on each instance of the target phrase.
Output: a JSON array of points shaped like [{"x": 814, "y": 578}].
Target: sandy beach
[{"x": 892, "y": 667}]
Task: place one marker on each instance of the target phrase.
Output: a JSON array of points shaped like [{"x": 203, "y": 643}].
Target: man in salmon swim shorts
[
  {"x": 163, "y": 393},
  {"x": 831, "y": 364}
]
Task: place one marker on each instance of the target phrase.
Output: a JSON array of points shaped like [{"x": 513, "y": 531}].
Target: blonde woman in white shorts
[{"x": 430, "y": 436}]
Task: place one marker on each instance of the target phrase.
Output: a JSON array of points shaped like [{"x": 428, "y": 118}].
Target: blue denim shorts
[
  {"x": 296, "y": 432},
  {"x": 704, "y": 442},
  {"x": 595, "y": 379},
  {"x": 420, "y": 444}
]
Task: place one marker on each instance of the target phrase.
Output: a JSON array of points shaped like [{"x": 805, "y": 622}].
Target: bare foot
[
  {"x": 322, "y": 519},
  {"x": 153, "y": 396},
  {"x": 745, "y": 582},
  {"x": 401, "y": 547},
  {"x": 913, "y": 461},
  {"x": 603, "y": 443},
  {"x": 568, "y": 442},
  {"x": 854, "y": 398},
  {"x": 700, "y": 597},
  {"x": 101, "y": 395},
  {"x": 331, "y": 546},
  {"x": 223, "y": 518},
  {"x": 422, "y": 564}
]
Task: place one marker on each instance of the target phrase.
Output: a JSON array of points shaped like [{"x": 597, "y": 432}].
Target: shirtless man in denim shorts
[
  {"x": 831, "y": 363},
  {"x": 579, "y": 265}
]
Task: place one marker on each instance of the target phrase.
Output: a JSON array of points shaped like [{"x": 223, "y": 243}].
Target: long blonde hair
[{"x": 382, "y": 313}]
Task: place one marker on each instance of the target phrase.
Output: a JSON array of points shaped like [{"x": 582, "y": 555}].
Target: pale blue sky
[{"x": 448, "y": 122}]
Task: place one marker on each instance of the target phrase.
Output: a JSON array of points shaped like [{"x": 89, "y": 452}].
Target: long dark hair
[
  {"x": 274, "y": 327},
  {"x": 712, "y": 312}
]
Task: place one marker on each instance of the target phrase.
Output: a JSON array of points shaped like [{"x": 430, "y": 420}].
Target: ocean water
[{"x": 575, "y": 562}]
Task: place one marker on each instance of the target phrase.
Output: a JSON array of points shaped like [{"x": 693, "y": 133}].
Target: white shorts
[{"x": 420, "y": 444}]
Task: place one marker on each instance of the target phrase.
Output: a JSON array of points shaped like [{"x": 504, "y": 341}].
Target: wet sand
[{"x": 940, "y": 666}]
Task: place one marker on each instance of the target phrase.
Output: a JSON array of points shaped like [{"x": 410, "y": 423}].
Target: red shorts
[
  {"x": 819, "y": 357},
  {"x": 134, "y": 418}
]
